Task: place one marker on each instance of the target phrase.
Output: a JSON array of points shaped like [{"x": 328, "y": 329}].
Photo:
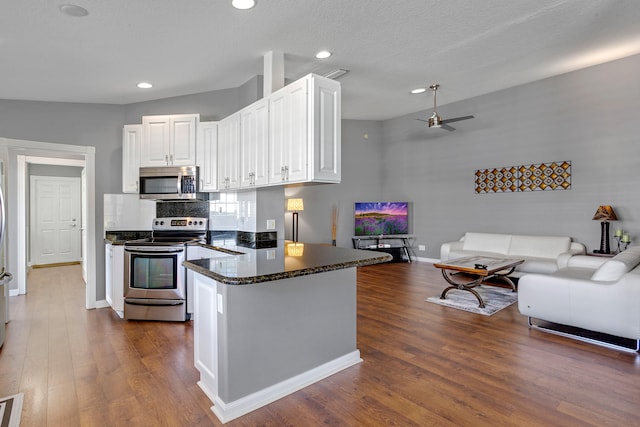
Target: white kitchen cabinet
[
  {"x": 205, "y": 333},
  {"x": 198, "y": 252},
  {"x": 229, "y": 152},
  {"x": 305, "y": 131},
  {"x": 207, "y": 155},
  {"x": 131, "y": 137},
  {"x": 169, "y": 140},
  {"x": 254, "y": 145},
  {"x": 114, "y": 276}
]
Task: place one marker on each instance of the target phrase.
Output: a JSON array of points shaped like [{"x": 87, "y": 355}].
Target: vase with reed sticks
[{"x": 334, "y": 224}]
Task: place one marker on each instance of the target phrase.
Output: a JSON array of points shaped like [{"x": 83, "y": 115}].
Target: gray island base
[{"x": 257, "y": 342}]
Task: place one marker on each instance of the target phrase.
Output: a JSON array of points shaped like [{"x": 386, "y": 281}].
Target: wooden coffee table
[{"x": 481, "y": 269}]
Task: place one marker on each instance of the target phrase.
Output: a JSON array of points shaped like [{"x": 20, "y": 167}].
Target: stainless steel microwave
[{"x": 169, "y": 182}]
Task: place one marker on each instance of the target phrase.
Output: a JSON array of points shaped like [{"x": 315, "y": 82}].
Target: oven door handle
[
  {"x": 154, "y": 302},
  {"x": 148, "y": 251}
]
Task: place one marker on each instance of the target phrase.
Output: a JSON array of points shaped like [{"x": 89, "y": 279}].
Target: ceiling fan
[{"x": 435, "y": 121}]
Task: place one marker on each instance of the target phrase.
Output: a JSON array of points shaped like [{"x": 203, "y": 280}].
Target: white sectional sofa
[
  {"x": 542, "y": 254},
  {"x": 597, "y": 294}
]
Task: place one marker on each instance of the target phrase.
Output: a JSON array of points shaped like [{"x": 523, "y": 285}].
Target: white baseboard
[
  {"x": 13, "y": 292},
  {"x": 102, "y": 304},
  {"x": 232, "y": 410}
]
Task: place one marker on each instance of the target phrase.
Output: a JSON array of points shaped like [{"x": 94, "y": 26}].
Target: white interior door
[{"x": 55, "y": 220}]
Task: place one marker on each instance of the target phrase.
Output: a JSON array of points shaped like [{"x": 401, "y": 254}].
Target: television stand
[{"x": 398, "y": 245}]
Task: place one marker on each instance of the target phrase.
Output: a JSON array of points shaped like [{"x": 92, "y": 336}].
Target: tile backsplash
[
  {"x": 196, "y": 208},
  {"x": 128, "y": 212}
]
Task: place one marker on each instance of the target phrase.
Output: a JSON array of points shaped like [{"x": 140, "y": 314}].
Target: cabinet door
[
  {"x": 277, "y": 144},
  {"x": 288, "y": 133},
  {"x": 117, "y": 278},
  {"x": 108, "y": 273},
  {"x": 155, "y": 145},
  {"x": 228, "y": 152},
  {"x": 207, "y": 155},
  {"x": 131, "y": 135},
  {"x": 254, "y": 144},
  {"x": 261, "y": 172},
  {"x": 205, "y": 332},
  {"x": 182, "y": 151},
  {"x": 326, "y": 130}
]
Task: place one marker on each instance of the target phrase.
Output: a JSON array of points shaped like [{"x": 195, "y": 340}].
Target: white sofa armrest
[
  {"x": 447, "y": 248},
  {"x": 574, "y": 249}
]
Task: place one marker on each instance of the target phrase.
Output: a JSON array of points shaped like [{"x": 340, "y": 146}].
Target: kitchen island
[{"x": 269, "y": 322}]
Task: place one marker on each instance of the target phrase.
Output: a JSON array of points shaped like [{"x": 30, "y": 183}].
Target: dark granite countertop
[{"x": 237, "y": 265}]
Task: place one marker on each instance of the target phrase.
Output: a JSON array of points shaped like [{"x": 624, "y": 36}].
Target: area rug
[
  {"x": 495, "y": 299},
  {"x": 10, "y": 410}
]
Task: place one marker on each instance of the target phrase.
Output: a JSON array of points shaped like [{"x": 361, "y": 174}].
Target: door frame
[{"x": 18, "y": 154}]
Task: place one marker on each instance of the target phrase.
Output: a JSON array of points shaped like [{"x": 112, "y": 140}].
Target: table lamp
[
  {"x": 295, "y": 205},
  {"x": 604, "y": 214}
]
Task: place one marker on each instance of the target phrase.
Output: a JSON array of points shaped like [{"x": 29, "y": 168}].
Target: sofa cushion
[
  {"x": 616, "y": 267},
  {"x": 538, "y": 246},
  {"x": 538, "y": 265},
  {"x": 487, "y": 242}
]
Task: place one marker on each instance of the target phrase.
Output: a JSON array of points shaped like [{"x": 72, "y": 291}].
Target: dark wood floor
[{"x": 424, "y": 365}]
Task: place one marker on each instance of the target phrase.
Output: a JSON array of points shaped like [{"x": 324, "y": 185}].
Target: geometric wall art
[{"x": 534, "y": 177}]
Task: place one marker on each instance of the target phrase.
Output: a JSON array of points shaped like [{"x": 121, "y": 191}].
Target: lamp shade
[
  {"x": 605, "y": 213},
  {"x": 295, "y": 205}
]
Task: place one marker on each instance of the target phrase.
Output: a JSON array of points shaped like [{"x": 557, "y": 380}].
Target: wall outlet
[
  {"x": 422, "y": 248},
  {"x": 271, "y": 224}
]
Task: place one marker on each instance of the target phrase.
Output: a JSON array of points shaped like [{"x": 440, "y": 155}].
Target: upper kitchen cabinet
[
  {"x": 229, "y": 152},
  {"x": 131, "y": 136},
  {"x": 305, "y": 132},
  {"x": 207, "y": 156},
  {"x": 169, "y": 140},
  {"x": 254, "y": 145}
]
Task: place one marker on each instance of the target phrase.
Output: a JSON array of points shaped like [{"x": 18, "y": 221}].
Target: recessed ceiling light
[
  {"x": 145, "y": 85},
  {"x": 419, "y": 90},
  {"x": 73, "y": 10},
  {"x": 323, "y": 54},
  {"x": 243, "y": 4}
]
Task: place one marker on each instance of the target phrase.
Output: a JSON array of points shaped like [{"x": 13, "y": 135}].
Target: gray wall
[
  {"x": 211, "y": 106},
  {"x": 361, "y": 181},
  {"x": 588, "y": 117},
  {"x": 74, "y": 124}
]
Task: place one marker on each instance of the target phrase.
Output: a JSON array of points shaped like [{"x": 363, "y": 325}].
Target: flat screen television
[{"x": 381, "y": 218}]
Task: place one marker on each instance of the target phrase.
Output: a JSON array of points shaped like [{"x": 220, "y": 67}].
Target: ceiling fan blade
[
  {"x": 447, "y": 127},
  {"x": 457, "y": 119}
]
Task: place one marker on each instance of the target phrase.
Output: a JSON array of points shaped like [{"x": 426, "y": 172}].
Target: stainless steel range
[{"x": 155, "y": 280}]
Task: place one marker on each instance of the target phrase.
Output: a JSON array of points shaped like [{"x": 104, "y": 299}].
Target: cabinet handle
[
  {"x": 286, "y": 173},
  {"x": 166, "y": 159},
  {"x": 171, "y": 159},
  {"x": 137, "y": 188}
]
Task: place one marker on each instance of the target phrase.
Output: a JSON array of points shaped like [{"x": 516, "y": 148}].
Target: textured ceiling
[{"x": 390, "y": 46}]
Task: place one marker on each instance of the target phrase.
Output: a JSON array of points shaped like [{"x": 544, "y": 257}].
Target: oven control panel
[{"x": 181, "y": 223}]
